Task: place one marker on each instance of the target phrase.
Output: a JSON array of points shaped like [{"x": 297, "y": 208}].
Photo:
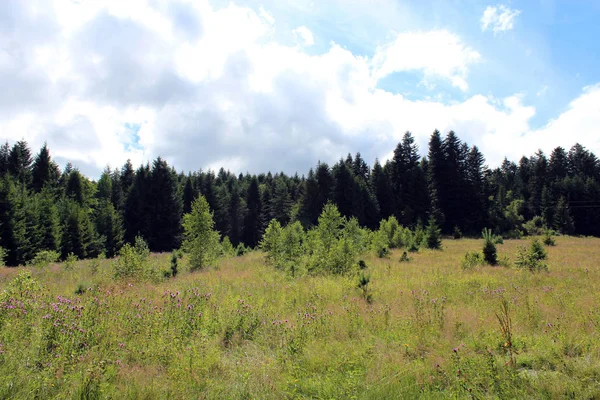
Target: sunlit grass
[{"x": 245, "y": 330}]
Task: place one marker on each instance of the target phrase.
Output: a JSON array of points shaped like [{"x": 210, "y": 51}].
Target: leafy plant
[
  {"x": 549, "y": 238},
  {"x": 201, "y": 240},
  {"x": 44, "y": 258},
  {"x": 472, "y": 260},
  {"x": 531, "y": 258}
]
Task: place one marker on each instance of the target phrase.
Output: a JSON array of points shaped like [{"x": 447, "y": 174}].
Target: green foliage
[
  {"x": 456, "y": 233},
  {"x": 472, "y": 260},
  {"x": 531, "y": 258},
  {"x": 70, "y": 261},
  {"x": 364, "y": 278},
  {"x": 227, "y": 248},
  {"x": 549, "y": 237},
  {"x": 2, "y": 256},
  {"x": 432, "y": 236},
  {"x": 22, "y": 287},
  {"x": 174, "y": 264},
  {"x": 44, "y": 258},
  {"x": 201, "y": 240},
  {"x": 133, "y": 262},
  {"x": 535, "y": 226},
  {"x": 405, "y": 257},
  {"x": 490, "y": 255}
]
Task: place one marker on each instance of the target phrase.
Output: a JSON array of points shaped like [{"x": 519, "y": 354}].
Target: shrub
[
  {"x": 497, "y": 239},
  {"x": 535, "y": 226},
  {"x": 44, "y": 258},
  {"x": 457, "y": 234},
  {"x": 472, "y": 260},
  {"x": 549, "y": 238},
  {"x": 133, "y": 262},
  {"x": 174, "y": 264},
  {"x": 70, "y": 262},
  {"x": 432, "y": 236},
  {"x": 227, "y": 248},
  {"x": 531, "y": 258},
  {"x": 405, "y": 257},
  {"x": 490, "y": 255},
  {"x": 363, "y": 285},
  {"x": 3, "y": 255},
  {"x": 201, "y": 240}
]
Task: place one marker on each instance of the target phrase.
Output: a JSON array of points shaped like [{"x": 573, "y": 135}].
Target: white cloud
[
  {"x": 304, "y": 36},
  {"x": 499, "y": 18},
  {"x": 210, "y": 87},
  {"x": 439, "y": 54}
]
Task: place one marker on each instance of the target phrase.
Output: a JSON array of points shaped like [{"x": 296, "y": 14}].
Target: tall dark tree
[
  {"x": 382, "y": 187},
  {"x": 252, "y": 221},
  {"x": 4, "y": 158},
  {"x": 309, "y": 208},
  {"x": 44, "y": 171},
  {"x": 19, "y": 162},
  {"x": 164, "y": 208}
]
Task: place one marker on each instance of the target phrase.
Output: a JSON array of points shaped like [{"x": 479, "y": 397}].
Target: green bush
[
  {"x": 44, "y": 258},
  {"x": 133, "y": 262},
  {"x": 531, "y": 258},
  {"x": 549, "y": 238},
  {"x": 457, "y": 234},
  {"x": 3, "y": 255},
  {"x": 472, "y": 260},
  {"x": 490, "y": 255},
  {"x": 535, "y": 226}
]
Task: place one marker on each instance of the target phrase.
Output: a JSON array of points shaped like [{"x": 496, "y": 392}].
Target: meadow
[{"x": 427, "y": 329}]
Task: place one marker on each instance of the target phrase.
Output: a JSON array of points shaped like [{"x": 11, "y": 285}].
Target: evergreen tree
[
  {"x": 49, "y": 222},
  {"x": 44, "y": 170},
  {"x": 4, "y": 159},
  {"x": 19, "y": 162},
  {"x": 137, "y": 205},
  {"x": 281, "y": 203},
  {"x": 164, "y": 209},
  {"x": 104, "y": 185},
  {"x": 309, "y": 203},
  {"x": 252, "y": 221},
  {"x": 201, "y": 240},
  {"x": 433, "y": 236},
  {"x": 189, "y": 194},
  {"x": 382, "y": 187},
  {"x": 109, "y": 227}
]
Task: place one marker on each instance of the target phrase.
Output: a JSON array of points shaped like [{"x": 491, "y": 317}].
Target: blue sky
[{"x": 276, "y": 85}]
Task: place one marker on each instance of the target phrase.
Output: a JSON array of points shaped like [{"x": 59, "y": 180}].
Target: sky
[{"x": 278, "y": 85}]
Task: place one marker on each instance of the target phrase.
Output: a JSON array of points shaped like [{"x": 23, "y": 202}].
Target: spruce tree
[{"x": 252, "y": 221}]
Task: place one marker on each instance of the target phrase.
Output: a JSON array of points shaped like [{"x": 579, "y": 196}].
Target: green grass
[{"x": 245, "y": 330}]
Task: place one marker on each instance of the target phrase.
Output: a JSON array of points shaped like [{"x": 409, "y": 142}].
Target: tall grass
[{"x": 427, "y": 328}]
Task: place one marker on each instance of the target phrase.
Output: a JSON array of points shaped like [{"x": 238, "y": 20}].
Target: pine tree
[
  {"x": 105, "y": 185},
  {"x": 19, "y": 162},
  {"x": 4, "y": 158},
  {"x": 383, "y": 191},
  {"x": 109, "y": 227},
  {"x": 49, "y": 221},
  {"x": 252, "y": 221},
  {"x": 433, "y": 237},
  {"x": 44, "y": 170},
  {"x": 164, "y": 209},
  {"x": 201, "y": 240}
]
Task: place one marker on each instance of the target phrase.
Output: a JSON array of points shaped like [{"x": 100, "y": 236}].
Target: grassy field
[{"x": 244, "y": 330}]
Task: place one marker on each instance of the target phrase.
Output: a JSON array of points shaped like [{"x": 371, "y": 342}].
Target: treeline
[{"x": 44, "y": 208}]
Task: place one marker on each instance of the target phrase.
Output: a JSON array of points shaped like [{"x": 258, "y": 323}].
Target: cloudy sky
[{"x": 257, "y": 85}]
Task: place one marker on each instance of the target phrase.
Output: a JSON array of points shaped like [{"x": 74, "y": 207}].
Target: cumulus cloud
[
  {"x": 499, "y": 18},
  {"x": 207, "y": 87},
  {"x": 439, "y": 54}
]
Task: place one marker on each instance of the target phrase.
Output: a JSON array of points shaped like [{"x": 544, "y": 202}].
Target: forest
[{"x": 44, "y": 208}]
